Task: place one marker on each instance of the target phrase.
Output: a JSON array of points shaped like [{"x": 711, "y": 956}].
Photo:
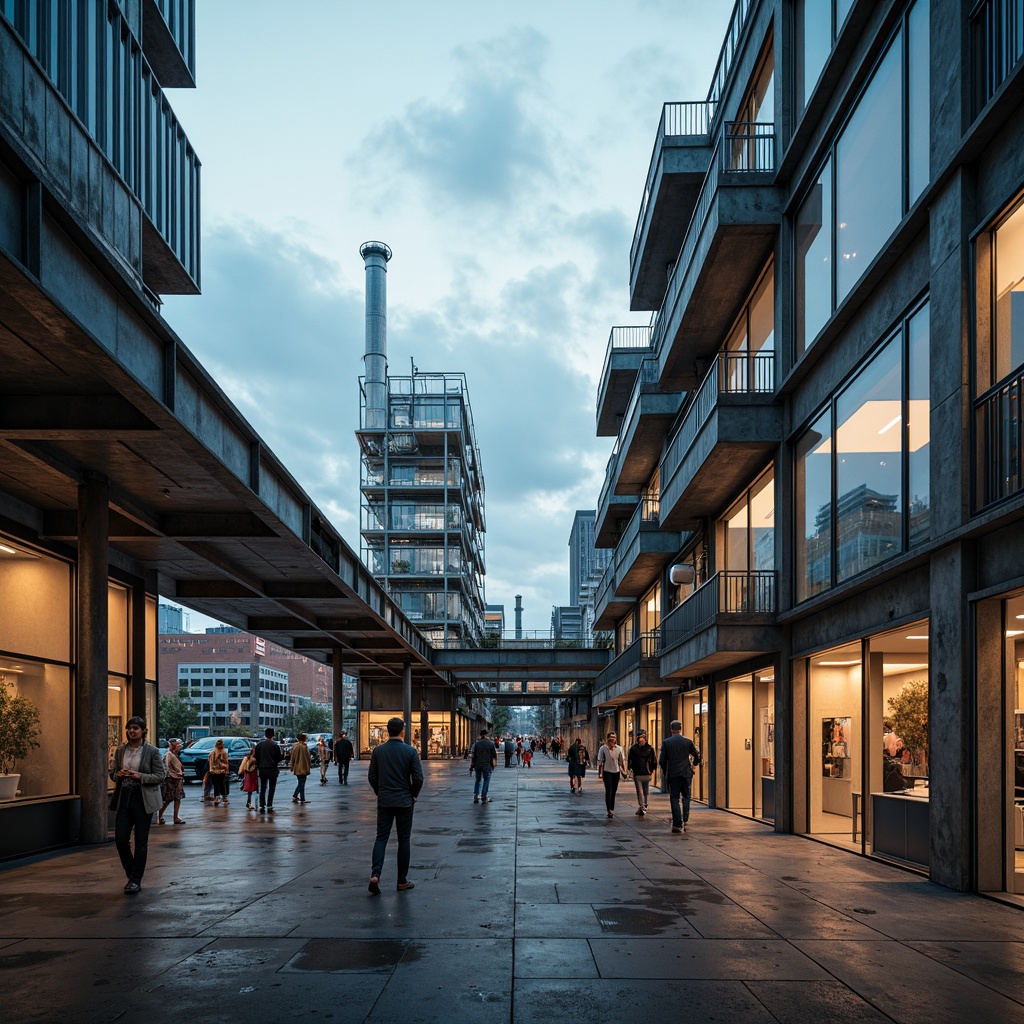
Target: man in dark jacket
[
  {"x": 677, "y": 758},
  {"x": 268, "y": 756},
  {"x": 483, "y": 758},
  {"x": 396, "y": 776},
  {"x": 343, "y": 754}
]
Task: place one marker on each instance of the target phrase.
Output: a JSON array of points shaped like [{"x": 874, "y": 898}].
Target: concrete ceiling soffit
[{"x": 71, "y": 418}]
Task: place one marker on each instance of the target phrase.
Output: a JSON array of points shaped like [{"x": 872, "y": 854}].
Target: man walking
[
  {"x": 510, "y": 749},
  {"x": 268, "y": 756},
  {"x": 396, "y": 776},
  {"x": 137, "y": 773},
  {"x": 482, "y": 759},
  {"x": 343, "y": 754},
  {"x": 677, "y": 758}
]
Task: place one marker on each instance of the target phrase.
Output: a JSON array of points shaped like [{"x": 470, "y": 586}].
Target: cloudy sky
[{"x": 500, "y": 149}]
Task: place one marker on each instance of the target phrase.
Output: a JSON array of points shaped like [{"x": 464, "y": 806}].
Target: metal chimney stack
[
  {"x": 519, "y": 616},
  {"x": 375, "y": 359}
]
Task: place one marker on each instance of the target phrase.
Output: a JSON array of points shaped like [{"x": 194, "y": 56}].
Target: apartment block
[{"x": 830, "y": 246}]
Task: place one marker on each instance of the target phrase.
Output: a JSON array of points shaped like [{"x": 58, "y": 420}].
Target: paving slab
[{"x": 534, "y": 906}]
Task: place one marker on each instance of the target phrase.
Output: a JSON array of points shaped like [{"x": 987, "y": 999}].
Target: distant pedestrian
[
  {"x": 219, "y": 769},
  {"x": 577, "y": 757},
  {"x": 325, "y": 758},
  {"x": 343, "y": 754},
  {"x": 173, "y": 787},
  {"x": 519, "y": 751},
  {"x": 528, "y": 757},
  {"x": 483, "y": 758},
  {"x": 510, "y": 749},
  {"x": 249, "y": 774},
  {"x": 299, "y": 762},
  {"x": 137, "y": 773},
  {"x": 611, "y": 766},
  {"x": 556, "y": 748},
  {"x": 676, "y": 760},
  {"x": 396, "y": 776},
  {"x": 643, "y": 763},
  {"x": 269, "y": 756}
]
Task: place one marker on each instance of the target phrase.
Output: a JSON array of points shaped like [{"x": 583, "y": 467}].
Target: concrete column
[
  {"x": 91, "y": 658},
  {"x": 338, "y": 689},
  {"x": 407, "y": 699},
  {"x": 950, "y": 700}
]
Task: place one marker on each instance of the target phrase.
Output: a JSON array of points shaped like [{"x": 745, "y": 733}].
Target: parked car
[{"x": 195, "y": 758}]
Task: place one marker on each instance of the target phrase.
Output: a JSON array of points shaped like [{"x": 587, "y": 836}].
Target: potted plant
[
  {"x": 19, "y": 727},
  {"x": 400, "y": 565},
  {"x": 909, "y": 715}
]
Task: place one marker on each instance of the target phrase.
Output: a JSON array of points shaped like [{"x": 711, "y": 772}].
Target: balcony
[
  {"x": 627, "y": 347},
  {"x": 730, "y": 619},
  {"x": 632, "y": 673},
  {"x": 730, "y": 427},
  {"x": 609, "y": 608},
  {"x": 613, "y": 510},
  {"x": 728, "y": 241},
  {"x": 642, "y": 551},
  {"x": 649, "y": 415},
  {"x": 679, "y": 165}
]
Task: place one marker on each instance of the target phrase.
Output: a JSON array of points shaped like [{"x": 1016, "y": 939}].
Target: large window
[
  {"x": 878, "y": 169},
  {"x": 862, "y": 481},
  {"x": 818, "y": 23},
  {"x": 999, "y": 358}
]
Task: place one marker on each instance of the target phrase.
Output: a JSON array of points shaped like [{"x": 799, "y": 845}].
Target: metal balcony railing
[
  {"x": 726, "y": 593},
  {"x": 997, "y": 46},
  {"x": 742, "y": 147},
  {"x": 998, "y": 416},
  {"x": 643, "y": 648},
  {"x": 690, "y": 120},
  {"x": 623, "y": 339},
  {"x": 730, "y": 373}
]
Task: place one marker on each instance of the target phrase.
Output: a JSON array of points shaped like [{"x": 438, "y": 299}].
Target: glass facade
[
  {"x": 750, "y": 744},
  {"x": 855, "y": 461},
  {"x": 818, "y": 23},
  {"x": 880, "y": 167}
]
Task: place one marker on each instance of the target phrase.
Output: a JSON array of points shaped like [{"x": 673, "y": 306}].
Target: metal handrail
[
  {"x": 688, "y": 120},
  {"x": 740, "y": 372},
  {"x": 726, "y": 593},
  {"x": 721, "y": 163},
  {"x": 999, "y": 414},
  {"x": 623, "y": 339},
  {"x": 642, "y": 648}
]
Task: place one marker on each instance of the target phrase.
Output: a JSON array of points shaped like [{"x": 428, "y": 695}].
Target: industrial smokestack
[
  {"x": 375, "y": 359},
  {"x": 519, "y": 616}
]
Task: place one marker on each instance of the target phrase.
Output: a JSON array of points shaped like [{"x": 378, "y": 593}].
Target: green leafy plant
[
  {"x": 175, "y": 713},
  {"x": 909, "y": 715},
  {"x": 19, "y": 727}
]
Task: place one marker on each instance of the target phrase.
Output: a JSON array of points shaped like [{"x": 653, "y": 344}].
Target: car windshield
[{"x": 205, "y": 743}]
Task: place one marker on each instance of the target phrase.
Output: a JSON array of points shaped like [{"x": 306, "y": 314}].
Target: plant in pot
[
  {"x": 400, "y": 565},
  {"x": 908, "y": 711},
  {"x": 19, "y": 727}
]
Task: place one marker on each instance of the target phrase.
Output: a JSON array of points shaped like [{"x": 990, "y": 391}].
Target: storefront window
[
  {"x": 35, "y": 634},
  {"x": 750, "y": 744},
  {"x": 694, "y": 717}
]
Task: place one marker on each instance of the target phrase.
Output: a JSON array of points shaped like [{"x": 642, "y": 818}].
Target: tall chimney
[
  {"x": 519, "y": 616},
  {"x": 375, "y": 359}
]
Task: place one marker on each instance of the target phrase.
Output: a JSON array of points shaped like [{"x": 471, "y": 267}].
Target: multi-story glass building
[
  {"x": 248, "y": 694},
  {"x": 830, "y": 247}
]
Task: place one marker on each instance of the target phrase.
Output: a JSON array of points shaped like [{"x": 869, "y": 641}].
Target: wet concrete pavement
[{"x": 535, "y": 906}]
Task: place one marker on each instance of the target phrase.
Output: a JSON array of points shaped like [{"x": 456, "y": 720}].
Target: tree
[
  {"x": 909, "y": 713},
  {"x": 175, "y": 713},
  {"x": 19, "y": 727},
  {"x": 313, "y": 718},
  {"x": 501, "y": 718}
]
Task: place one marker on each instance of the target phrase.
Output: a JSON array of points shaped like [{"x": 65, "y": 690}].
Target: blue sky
[{"x": 500, "y": 149}]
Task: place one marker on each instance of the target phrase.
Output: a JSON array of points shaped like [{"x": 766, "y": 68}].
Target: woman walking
[
  {"x": 219, "y": 773},
  {"x": 249, "y": 775},
  {"x": 611, "y": 764},
  {"x": 643, "y": 763},
  {"x": 173, "y": 786},
  {"x": 299, "y": 762},
  {"x": 324, "y": 754}
]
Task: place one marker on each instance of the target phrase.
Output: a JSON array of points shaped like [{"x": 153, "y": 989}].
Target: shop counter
[{"x": 900, "y": 826}]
